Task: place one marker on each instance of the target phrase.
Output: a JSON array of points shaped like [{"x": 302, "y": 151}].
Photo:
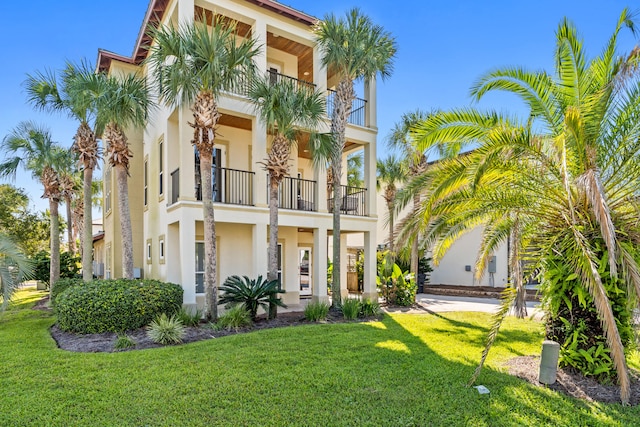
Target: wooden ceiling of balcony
[
  {"x": 234, "y": 122},
  {"x": 303, "y": 146},
  {"x": 302, "y": 52}
]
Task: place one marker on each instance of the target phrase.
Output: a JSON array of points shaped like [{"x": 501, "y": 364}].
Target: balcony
[
  {"x": 275, "y": 77},
  {"x": 296, "y": 194},
  {"x": 358, "y": 110},
  {"x": 230, "y": 186},
  {"x": 353, "y": 200}
]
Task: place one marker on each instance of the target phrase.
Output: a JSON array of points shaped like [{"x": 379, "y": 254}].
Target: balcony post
[
  {"x": 258, "y": 154},
  {"x": 260, "y": 261},
  {"x": 370, "y": 180},
  {"x": 260, "y": 35},
  {"x": 319, "y": 265},
  {"x": 370, "y": 109},
  {"x": 319, "y": 71},
  {"x": 369, "y": 286},
  {"x": 186, "y": 11}
]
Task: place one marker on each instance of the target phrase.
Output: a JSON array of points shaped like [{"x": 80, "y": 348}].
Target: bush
[
  {"x": 396, "y": 286},
  {"x": 316, "y": 311},
  {"x": 61, "y": 286},
  {"x": 166, "y": 330},
  {"x": 115, "y": 305},
  {"x": 69, "y": 266},
  {"x": 369, "y": 308},
  {"x": 350, "y": 308},
  {"x": 251, "y": 293},
  {"x": 190, "y": 317},
  {"x": 124, "y": 342},
  {"x": 235, "y": 318}
]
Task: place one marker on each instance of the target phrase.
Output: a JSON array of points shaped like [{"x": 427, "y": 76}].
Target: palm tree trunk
[
  {"x": 520, "y": 306},
  {"x": 54, "y": 268},
  {"x": 87, "y": 238},
  {"x": 391, "y": 226},
  {"x": 273, "y": 237},
  {"x": 343, "y": 100},
  {"x": 415, "y": 251},
  {"x": 125, "y": 221},
  {"x": 210, "y": 267},
  {"x": 70, "y": 237}
]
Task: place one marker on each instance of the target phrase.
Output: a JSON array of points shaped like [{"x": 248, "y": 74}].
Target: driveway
[{"x": 442, "y": 303}]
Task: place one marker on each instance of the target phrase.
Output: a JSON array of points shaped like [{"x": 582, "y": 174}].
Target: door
[{"x": 305, "y": 269}]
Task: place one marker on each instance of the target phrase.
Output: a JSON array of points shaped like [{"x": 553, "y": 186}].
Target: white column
[
  {"x": 260, "y": 252},
  {"x": 344, "y": 291},
  {"x": 370, "y": 180},
  {"x": 320, "y": 256},
  {"x": 370, "y": 289},
  {"x": 370, "y": 94},
  {"x": 187, "y": 156},
  {"x": 319, "y": 71},
  {"x": 185, "y": 11},
  {"x": 258, "y": 154},
  {"x": 320, "y": 176},
  {"x": 260, "y": 35},
  {"x": 187, "y": 258}
]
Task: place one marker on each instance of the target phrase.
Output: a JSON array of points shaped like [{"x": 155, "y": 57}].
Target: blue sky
[{"x": 444, "y": 46}]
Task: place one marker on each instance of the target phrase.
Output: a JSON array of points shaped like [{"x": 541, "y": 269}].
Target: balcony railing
[
  {"x": 352, "y": 200},
  {"x": 300, "y": 84},
  {"x": 230, "y": 186},
  {"x": 240, "y": 86},
  {"x": 297, "y": 194},
  {"x": 357, "y": 116}
]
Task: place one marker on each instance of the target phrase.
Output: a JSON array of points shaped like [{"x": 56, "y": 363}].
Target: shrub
[
  {"x": 166, "y": 330},
  {"x": 61, "y": 286},
  {"x": 123, "y": 342},
  {"x": 235, "y": 318},
  {"x": 190, "y": 317},
  {"x": 396, "y": 286},
  {"x": 369, "y": 308},
  {"x": 69, "y": 266},
  {"x": 115, "y": 305},
  {"x": 251, "y": 293},
  {"x": 350, "y": 308},
  {"x": 316, "y": 311}
]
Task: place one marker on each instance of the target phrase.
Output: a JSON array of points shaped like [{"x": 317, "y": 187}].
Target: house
[{"x": 164, "y": 184}]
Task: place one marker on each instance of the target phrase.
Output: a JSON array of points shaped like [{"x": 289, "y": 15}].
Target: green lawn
[{"x": 406, "y": 370}]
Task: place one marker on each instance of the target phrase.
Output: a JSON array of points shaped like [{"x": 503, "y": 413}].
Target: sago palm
[
  {"x": 559, "y": 187},
  {"x": 30, "y": 146},
  {"x": 287, "y": 111},
  {"x": 191, "y": 66},
  {"x": 124, "y": 104},
  {"x": 391, "y": 172},
  {"x": 355, "y": 48}
]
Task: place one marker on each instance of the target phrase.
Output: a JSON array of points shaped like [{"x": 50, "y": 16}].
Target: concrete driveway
[{"x": 442, "y": 303}]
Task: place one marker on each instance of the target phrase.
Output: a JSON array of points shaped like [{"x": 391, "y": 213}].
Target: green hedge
[
  {"x": 61, "y": 286},
  {"x": 115, "y": 305}
]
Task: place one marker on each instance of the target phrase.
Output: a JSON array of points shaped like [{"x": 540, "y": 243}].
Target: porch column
[
  {"x": 258, "y": 154},
  {"x": 370, "y": 290},
  {"x": 320, "y": 177},
  {"x": 319, "y": 265},
  {"x": 260, "y": 35},
  {"x": 344, "y": 258},
  {"x": 185, "y": 11},
  {"x": 319, "y": 70},
  {"x": 187, "y": 156},
  {"x": 260, "y": 251},
  {"x": 187, "y": 259},
  {"x": 370, "y": 94},
  {"x": 371, "y": 205}
]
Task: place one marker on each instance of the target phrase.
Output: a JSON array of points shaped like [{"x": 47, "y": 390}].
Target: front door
[{"x": 305, "y": 269}]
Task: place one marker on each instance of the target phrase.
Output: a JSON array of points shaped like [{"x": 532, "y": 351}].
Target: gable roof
[{"x": 155, "y": 13}]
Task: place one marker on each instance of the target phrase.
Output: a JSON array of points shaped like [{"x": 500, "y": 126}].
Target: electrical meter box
[{"x": 491, "y": 267}]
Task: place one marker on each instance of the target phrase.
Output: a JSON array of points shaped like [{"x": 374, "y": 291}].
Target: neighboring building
[{"x": 164, "y": 186}]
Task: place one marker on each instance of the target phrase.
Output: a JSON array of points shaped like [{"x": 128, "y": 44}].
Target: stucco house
[{"x": 164, "y": 186}]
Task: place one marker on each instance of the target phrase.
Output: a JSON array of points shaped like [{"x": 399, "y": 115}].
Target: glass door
[{"x": 305, "y": 268}]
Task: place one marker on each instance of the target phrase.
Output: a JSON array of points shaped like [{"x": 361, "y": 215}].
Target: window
[
  {"x": 161, "y": 249},
  {"x": 199, "y": 267},
  {"x": 146, "y": 182},
  {"x": 161, "y": 166},
  {"x": 149, "y": 241},
  {"x": 107, "y": 190}
]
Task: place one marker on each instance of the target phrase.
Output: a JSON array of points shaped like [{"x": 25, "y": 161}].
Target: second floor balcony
[{"x": 230, "y": 186}]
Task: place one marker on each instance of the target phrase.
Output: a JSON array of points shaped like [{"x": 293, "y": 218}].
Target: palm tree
[
  {"x": 124, "y": 102},
  {"x": 286, "y": 109},
  {"x": 391, "y": 173},
  {"x": 192, "y": 65},
  {"x": 14, "y": 268},
  {"x": 355, "y": 162},
  {"x": 69, "y": 185},
  {"x": 31, "y": 147},
  {"x": 74, "y": 93},
  {"x": 561, "y": 186},
  {"x": 355, "y": 49}
]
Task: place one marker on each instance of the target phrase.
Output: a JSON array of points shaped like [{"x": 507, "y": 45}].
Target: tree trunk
[
  {"x": 520, "y": 305},
  {"x": 87, "y": 238},
  {"x": 415, "y": 251},
  {"x": 54, "y": 266},
  {"x": 210, "y": 267},
  {"x": 391, "y": 226},
  {"x": 125, "y": 221},
  {"x": 273, "y": 238},
  {"x": 343, "y": 99},
  {"x": 70, "y": 237}
]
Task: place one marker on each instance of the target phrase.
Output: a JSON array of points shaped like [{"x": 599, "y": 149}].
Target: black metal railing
[
  {"x": 358, "y": 110},
  {"x": 297, "y": 194},
  {"x": 175, "y": 186},
  {"x": 230, "y": 186},
  {"x": 240, "y": 86},
  {"x": 275, "y": 77},
  {"x": 352, "y": 200}
]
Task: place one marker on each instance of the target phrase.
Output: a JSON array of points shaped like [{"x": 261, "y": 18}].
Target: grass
[{"x": 405, "y": 370}]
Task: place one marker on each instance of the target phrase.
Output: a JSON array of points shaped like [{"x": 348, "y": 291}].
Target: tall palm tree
[
  {"x": 560, "y": 186},
  {"x": 286, "y": 109},
  {"x": 14, "y": 268},
  {"x": 391, "y": 173},
  {"x": 355, "y": 48},
  {"x": 31, "y": 147},
  {"x": 69, "y": 184},
  {"x": 192, "y": 64},
  {"x": 124, "y": 103},
  {"x": 74, "y": 93}
]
